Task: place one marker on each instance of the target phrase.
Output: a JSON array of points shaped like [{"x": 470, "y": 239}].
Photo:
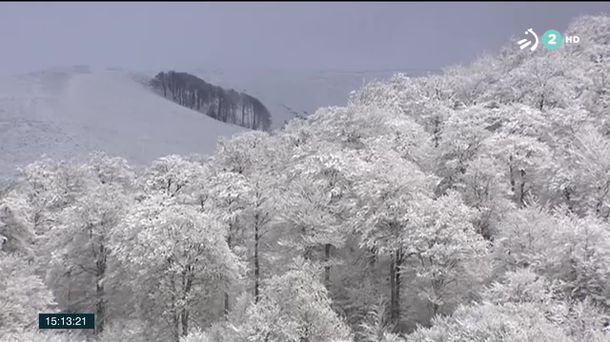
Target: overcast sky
[{"x": 292, "y": 36}]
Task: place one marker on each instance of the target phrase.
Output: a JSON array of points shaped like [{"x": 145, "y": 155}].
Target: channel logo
[
  {"x": 551, "y": 40},
  {"x": 523, "y": 43}
]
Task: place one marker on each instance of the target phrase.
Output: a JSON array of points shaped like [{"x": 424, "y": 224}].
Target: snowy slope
[{"x": 70, "y": 112}]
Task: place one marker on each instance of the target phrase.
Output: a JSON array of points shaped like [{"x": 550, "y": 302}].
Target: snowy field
[{"x": 70, "y": 112}]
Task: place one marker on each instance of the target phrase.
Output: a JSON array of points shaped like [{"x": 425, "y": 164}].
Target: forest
[
  {"x": 224, "y": 105},
  {"x": 471, "y": 205}
]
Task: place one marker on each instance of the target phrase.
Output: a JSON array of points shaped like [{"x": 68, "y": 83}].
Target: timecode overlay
[{"x": 66, "y": 321}]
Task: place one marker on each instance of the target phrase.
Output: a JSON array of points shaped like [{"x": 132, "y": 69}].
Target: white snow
[{"x": 65, "y": 113}]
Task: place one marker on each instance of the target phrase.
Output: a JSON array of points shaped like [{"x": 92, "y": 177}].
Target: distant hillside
[
  {"x": 70, "y": 112},
  {"x": 221, "y": 104}
]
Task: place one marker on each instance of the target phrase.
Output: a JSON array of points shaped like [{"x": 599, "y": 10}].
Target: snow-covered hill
[{"x": 71, "y": 112}]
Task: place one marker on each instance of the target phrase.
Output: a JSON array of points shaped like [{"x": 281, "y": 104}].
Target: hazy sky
[{"x": 303, "y": 36}]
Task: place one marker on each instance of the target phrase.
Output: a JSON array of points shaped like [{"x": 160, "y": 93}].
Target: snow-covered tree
[
  {"x": 585, "y": 171},
  {"x": 23, "y": 295},
  {"x": 179, "y": 253},
  {"x": 16, "y": 229},
  {"x": 294, "y": 307},
  {"x": 316, "y": 203},
  {"x": 572, "y": 249},
  {"x": 489, "y": 322},
  {"x": 484, "y": 188},
  {"x": 524, "y": 306},
  {"x": 171, "y": 176},
  {"x": 255, "y": 163},
  {"x": 386, "y": 187},
  {"x": 450, "y": 256},
  {"x": 80, "y": 240}
]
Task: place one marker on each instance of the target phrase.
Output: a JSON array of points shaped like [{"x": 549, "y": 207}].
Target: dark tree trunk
[
  {"x": 568, "y": 197},
  {"x": 100, "y": 305},
  {"x": 372, "y": 257},
  {"x": 256, "y": 260},
  {"x": 185, "y": 321},
  {"x": 226, "y": 294},
  {"x": 219, "y": 109},
  {"x": 395, "y": 263},
  {"x": 393, "y": 289},
  {"x": 436, "y": 132},
  {"x": 510, "y": 174},
  {"x": 187, "y": 285},
  {"x": 174, "y": 310},
  {"x": 243, "y": 114},
  {"x": 327, "y": 267},
  {"x": 69, "y": 275},
  {"x": 522, "y": 189}
]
